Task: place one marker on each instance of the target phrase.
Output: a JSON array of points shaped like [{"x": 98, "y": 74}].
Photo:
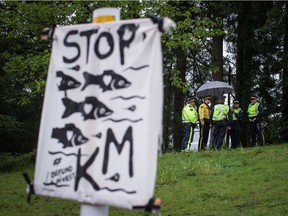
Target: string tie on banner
[
  {"x": 164, "y": 23},
  {"x": 153, "y": 206},
  {"x": 47, "y": 33},
  {"x": 30, "y": 187}
]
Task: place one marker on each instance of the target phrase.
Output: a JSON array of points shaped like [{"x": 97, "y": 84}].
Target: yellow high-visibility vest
[
  {"x": 220, "y": 112},
  {"x": 253, "y": 110},
  {"x": 189, "y": 114},
  {"x": 236, "y": 111}
]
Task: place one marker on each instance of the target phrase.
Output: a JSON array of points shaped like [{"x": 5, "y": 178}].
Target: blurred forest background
[{"x": 242, "y": 43}]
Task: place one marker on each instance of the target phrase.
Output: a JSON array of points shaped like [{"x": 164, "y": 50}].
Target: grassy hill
[{"x": 247, "y": 181}]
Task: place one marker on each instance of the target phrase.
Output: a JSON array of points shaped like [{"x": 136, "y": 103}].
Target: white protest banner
[{"x": 102, "y": 115}]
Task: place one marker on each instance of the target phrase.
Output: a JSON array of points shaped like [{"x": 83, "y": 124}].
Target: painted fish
[
  {"x": 109, "y": 80},
  {"x": 90, "y": 108},
  {"x": 67, "y": 82},
  {"x": 62, "y": 134}
]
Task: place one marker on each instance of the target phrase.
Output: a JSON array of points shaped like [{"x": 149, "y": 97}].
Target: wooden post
[
  {"x": 100, "y": 15},
  {"x": 93, "y": 210}
]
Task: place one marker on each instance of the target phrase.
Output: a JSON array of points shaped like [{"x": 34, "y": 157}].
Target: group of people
[{"x": 222, "y": 120}]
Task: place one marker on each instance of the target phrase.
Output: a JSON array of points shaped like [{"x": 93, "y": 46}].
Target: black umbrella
[{"x": 214, "y": 88}]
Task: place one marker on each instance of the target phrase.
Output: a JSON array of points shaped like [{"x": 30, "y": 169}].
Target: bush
[{"x": 12, "y": 162}]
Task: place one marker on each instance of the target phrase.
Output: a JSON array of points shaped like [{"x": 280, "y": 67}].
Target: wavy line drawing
[
  {"x": 55, "y": 184},
  {"x": 59, "y": 152},
  {"x": 104, "y": 188},
  {"x": 125, "y": 119},
  {"x": 128, "y": 98},
  {"x": 136, "y": 68},
  {"x": 115, "y": 190}
]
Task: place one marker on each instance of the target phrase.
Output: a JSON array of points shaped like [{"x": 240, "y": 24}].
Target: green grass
[{"x": 248, "y": 181}]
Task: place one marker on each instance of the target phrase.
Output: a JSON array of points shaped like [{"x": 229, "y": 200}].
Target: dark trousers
[
  {"x": 235, "y": 134},
  {"x": 188, "y": 135},
  {"x": 257, "y": 137},
  {"x": 219, "y": 133},
  {"x": 204, "y": 134}
]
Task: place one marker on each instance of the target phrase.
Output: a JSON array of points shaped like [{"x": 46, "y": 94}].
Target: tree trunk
[
  {"x": 167, "y": 122},
  {"x": 217, "y": 45},
  {"x": 244, "y": 64},
  {"x": 217, "y": 58},
  {"x": 181, "y": 66}
]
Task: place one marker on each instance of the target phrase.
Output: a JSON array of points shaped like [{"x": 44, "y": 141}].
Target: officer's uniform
[
  {"x": 255, "y": 112},
  {"x": 220, "y": 114},
  {"x": 204, "y": 117},
  {"x": 189, "y": 120},
  {"x": 236, "y": 116}
]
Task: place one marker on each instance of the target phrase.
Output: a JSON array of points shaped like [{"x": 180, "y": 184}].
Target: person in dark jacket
[
  {"x": 220, "y": 117},
  {"x": 255, "y": 113},
  {"x": 189, "y": 121},
  {"x": 236, "y": 115},
  {"x": 204, "y": 121}
]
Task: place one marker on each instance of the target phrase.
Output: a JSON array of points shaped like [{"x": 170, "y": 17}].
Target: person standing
[
  {"x": 236, "y": 116},
  {"x": 255, "y": 113},
  {"x": 220, "y": 116},
  {"x": 189, "y": 121},
  {"x": 211, "y": 143},
  {"x": 204, "y": 117}
]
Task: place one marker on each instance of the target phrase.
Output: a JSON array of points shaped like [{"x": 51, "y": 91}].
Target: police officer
[
  {"x": 204, "y": 117},
  {"x": 220, "y": 116},
  {"x": 189, "y": 120},
  {"x": 236, "y": 116},
  {"x": 255, "y": 112}
]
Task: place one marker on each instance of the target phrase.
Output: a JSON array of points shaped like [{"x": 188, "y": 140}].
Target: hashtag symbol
[{"x": 57, "y": 161}]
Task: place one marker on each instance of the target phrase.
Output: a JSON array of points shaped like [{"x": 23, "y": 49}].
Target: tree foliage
[{"x": 255, "y": 35}]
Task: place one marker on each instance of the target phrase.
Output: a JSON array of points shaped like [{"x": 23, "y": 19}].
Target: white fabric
[{"x": 77, "y": 129}]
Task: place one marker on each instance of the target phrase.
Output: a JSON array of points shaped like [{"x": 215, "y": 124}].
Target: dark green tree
[
  {"x": 24, "y": 60},
  {"x": 284, "y": 105},
  {"x": 256, "y": 41}
]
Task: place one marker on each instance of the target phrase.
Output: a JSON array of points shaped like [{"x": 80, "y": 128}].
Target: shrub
[{"x": 12, "y": 162}]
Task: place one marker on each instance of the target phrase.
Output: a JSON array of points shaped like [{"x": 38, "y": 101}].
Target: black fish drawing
[
  {"x": 76, "y": 139},
  {"x": 109, "y": 80},
  {"x": 67, "y": 82},
  {"x": 90, "y": 108}
]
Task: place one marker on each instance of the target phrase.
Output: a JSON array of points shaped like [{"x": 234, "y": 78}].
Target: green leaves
[
  {"x": 9, "y": 124},
  {"x": 177, "y": 81}
]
